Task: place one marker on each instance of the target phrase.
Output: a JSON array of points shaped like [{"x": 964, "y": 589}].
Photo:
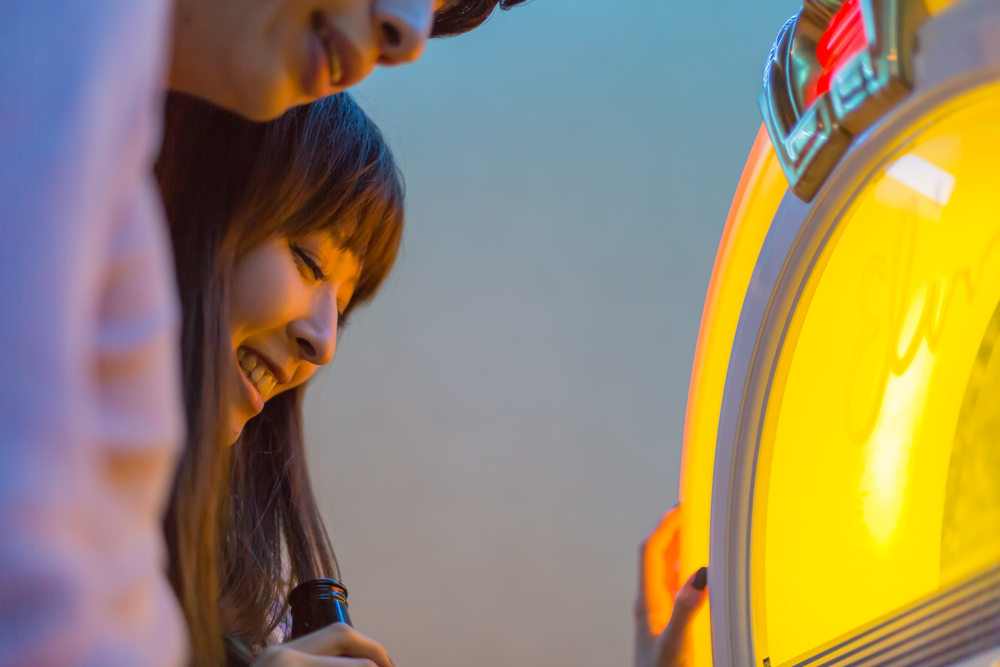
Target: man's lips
[{"x": 334, "y": 64}]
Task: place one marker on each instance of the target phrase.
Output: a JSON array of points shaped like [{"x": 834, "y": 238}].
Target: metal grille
[{"x": 946, "y": 627}]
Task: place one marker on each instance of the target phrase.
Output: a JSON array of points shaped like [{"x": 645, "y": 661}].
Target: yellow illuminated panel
[
  {"x": 935, "y": 6},
  {"x": 886, "y": 366},
  {"x": 760, "y": 191}
]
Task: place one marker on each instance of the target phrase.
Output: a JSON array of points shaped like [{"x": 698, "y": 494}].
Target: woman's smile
[{"x": 258, "y": 373}]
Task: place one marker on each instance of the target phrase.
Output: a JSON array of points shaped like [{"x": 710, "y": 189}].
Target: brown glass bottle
[{"x": 316, "y": 604}]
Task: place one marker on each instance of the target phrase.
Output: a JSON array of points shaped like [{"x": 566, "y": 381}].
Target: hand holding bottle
[{"x": 337, "y": 645}]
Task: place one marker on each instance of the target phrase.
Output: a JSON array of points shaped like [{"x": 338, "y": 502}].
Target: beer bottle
[{"x": 316, "y": 604}]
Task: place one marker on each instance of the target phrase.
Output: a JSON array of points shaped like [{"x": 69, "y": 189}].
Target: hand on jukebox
[{"x": 663, "y": 607}]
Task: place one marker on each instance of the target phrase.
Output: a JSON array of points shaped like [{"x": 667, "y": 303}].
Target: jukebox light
[{"x": 844, "y": 38}]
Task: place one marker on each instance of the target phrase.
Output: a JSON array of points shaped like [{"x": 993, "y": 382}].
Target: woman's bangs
[
  {"x": 363, "y": 218},
  {"x": 372, "y": 230},
  {"x": 326, "y": 168}
]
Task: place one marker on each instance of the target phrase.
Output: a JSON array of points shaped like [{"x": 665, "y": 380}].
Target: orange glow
[
  {"x": 757, "y": 197},
  {"x": 660, "y": 562}
]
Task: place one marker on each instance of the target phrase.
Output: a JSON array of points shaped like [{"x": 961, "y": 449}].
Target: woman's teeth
[{"x": 256, "y": 372}]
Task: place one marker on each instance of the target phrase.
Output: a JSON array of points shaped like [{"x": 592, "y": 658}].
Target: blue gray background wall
[{"x": 503, "y": 425}]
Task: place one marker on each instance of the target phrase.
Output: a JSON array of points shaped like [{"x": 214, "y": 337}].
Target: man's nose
[{"x": 403, "y": 27}]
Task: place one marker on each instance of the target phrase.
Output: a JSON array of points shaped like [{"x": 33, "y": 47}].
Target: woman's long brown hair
[{"x": 243, "y": 524}]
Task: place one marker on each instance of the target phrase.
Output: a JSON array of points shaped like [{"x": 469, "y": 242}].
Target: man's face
[{"x": 259, "y": 58}]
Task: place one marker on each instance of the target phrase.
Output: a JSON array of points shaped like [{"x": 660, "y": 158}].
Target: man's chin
[
  {"x": 264, "y": 98},
  {"x": 260, "y": 109},
  {"x": 257, "y": 106}
]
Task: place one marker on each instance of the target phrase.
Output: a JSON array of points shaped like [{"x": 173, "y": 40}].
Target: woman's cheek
[{"x": 264, "y": 292}]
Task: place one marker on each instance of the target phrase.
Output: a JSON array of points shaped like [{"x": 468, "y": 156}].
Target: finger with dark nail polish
[{"x": 700, "y": 579}]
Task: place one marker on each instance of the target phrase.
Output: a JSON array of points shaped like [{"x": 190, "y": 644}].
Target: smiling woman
[{"x": 280, "y": 230}]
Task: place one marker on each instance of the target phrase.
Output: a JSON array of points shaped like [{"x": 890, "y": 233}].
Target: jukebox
[{"x": 841, "y": 467}]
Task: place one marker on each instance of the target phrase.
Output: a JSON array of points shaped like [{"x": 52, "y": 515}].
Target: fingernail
[{"x": 700, "y": 579}]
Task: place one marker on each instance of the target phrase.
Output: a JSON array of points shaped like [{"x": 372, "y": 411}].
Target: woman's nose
[
  {"x": 316, "y": 337},
  {"x": 403, "y": 27}
]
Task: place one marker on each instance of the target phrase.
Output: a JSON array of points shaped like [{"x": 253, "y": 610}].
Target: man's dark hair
[{"x": 464, "y": 15}]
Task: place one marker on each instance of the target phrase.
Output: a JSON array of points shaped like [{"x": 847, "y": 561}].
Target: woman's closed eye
[{"x": 309, "y": 261}]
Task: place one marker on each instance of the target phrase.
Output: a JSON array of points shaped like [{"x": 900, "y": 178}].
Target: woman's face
[
  {"x": 284, "y": 307},
  {"x": 259, "y": 58}
]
